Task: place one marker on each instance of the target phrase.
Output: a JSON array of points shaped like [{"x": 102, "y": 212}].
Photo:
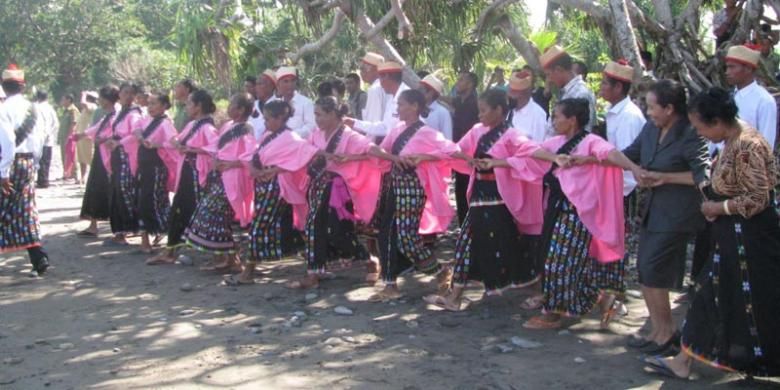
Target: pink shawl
[
  {"x": 520, "y": 185},
  {"x": 362, "y": 178},
  {"x": 434, "y": 175},
  {"x": 121, "y": 130},
  {"x": 291, "y": 153},
  {"x": 92, "y": 132},
  {"x": 205, "y": 134},
  {"x": 597, "y": 192},
  {"x": 237, "y": 181},
  {"x": 162, "y": 136}
]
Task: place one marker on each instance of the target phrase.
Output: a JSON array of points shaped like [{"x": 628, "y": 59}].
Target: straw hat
[
  {"x": 285, "y": 71},
  {"x": 13, "y": 73},
  {"x": 520, "y": 81},
  {"x": 619, "y": 70},
  {"x": 433, "y": 83},
  {"x": 372, "y": 58},
  {"x": 390, "y": 67},
  {"x": 744, "y": 54},
  {"x": 270, "y": 75},
  {"x": 551, "y": 55}
]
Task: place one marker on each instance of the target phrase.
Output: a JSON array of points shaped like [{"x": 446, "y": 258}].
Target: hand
[
  {"x": 222, "y": 165},
  {"x": 410, "y": 161},
  {"x": 651, "y": 179},
  {"x": 148, "y": 144},
  {"x": 582, "y": 160},
  {"x": 563, "y": 161},
  {"x": 6, "y": 185},
  {"x": 484, "y": 163},
  {"x": 138, "y": 133},
  {"x": 337, "y": 158},
  {"x": 112, "y": 144},
  {"x": 712, "y": 210},
  {"x": 348, "y": 121}
]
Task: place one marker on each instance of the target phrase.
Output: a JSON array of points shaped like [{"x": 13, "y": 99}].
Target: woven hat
[
  {"x": 432, "y": 82},
  {"x": 551, "y": 55},
  {"x": 372, "y": 58},
  {"x": 520, "y": 81},
  {"x": 270, "y": 75},
  {"x": 744, "y": 54},
  {"x": 285, "y": 71},
  {"x": 390, "y": 67},
  {"x": 13, "y": 73},
  {"x": 619, "y": 70}
]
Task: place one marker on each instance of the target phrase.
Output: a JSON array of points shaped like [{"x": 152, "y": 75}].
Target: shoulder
[{"x": 751, "y": 141}]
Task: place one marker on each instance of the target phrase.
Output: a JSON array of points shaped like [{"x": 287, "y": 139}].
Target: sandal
[
  {"x": 532, "y": 302},
  {"x": 609, "y": 314},
  {"x": 539, "y": 323},
  {"x": 384, "y": 296},
  {"x": 442, "y": 303},
  {"x": 233, "y": 280},
  {"x": 657, "y": 365}
]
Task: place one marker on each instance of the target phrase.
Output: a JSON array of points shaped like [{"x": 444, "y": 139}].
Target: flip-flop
[
  {"x": 86, "y": 234},
  {"x": 441, "y": 302},
  {"x": 532, "y": 303},
  {"x": 657, "y": 365},
  {"x": 233, "y": 280},
  {"x": 538, "y": 323},
  {"x": 383, "y": 297}
]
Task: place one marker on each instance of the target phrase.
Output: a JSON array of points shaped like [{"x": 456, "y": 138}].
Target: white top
[
  {"x": 576, "y": 88},
  {"x": 258, "y": 124},
  {"x": 302, "y": 121},
  {"x": 389, "y": 119},
  {"x": 439, "y": 118},
  {"x": 624, "y": 123},
  {"x": 757, "y": 107},
  {"x": 531, "y": 120},
  {"x": 50, "y": 124},
  {"x": 376, "y": 101},
  {"x": 12, "y": 115}
]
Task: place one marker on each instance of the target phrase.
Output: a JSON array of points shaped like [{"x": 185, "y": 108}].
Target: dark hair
[
  {"x": 325, "y": 89},
  {"x": 250, "y": 79},
  {"x": 244, "y": 101},
  {"x": 714, "y": 104},
  {"x": 90, "y": 99},
  {"x": 339, "y": 86},
  {"x": 564, "y": 62},
  {"x": 135, "y": 88},
  {"x": 583, "y": 68},
  {"x": 624, "y": 86},
  {"x": 278, "y": 108},
  {"x": 576, "y": 107},
  {"x": 422, "y": 73},
  {"x": 12, "y": 87},
  {"x": 41, "y": 96},
  {"x": 496, "y": 97},
  {"x": 413, "y": 96},
  {"x": 472, "y": 76},
  {"x": 109, "y": 92},
  {"x": 331, "y": 104},
  {"x": 646, "y": 55},
  {"x": 69, "y": 97},
  {"x": 354, "y": 77},
  {"x": 668, "y": 92},
  {"x": 162, "y": 98},
  {"x": 189, "y": 84},
  {"x": 203, "y": 99}
]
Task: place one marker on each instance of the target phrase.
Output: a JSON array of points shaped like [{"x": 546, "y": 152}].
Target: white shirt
[
  {"x": 258, "y": 124},
  {"x": 439, "y": 118},
  {"x": 576, "y": 88},
  {"x": 302, "y": 121},
  {"x": 12, "y": 115},
  {"x": 624, "y": 123},
  {"x": 757, "y": 107},
  {"x": 389, "y": 119},
  {"x": 376, "y": 101},
  {"x": 50, "y": 124},
  {"x": 531, "y": 120}
]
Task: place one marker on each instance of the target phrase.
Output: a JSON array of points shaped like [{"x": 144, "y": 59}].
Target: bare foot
[{"x": 389, "y": 293}]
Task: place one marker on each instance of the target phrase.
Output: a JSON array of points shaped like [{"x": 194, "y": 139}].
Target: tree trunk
[
  {"x": 629, "y": 49},
  {"x": 520, "y": 43}
]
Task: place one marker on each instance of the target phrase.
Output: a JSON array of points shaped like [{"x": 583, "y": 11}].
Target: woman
[
  {"x": 84, "y": 144},
  {"x": 733, "y": 319},
  {"x": 505, "y": 199},
  {"x": 123, "y": 206},
  {"x": 583, "y": 238},
  {"x": 278, "y": 169},
  {"x": 152, "y": 162},
  {"x": 228, "y": 195},
  {"x": 414, "y": 197},
  {"x": 670, "y": 148},
  {"x": 192, "y": 167},
  {"x": 95, "y": 206},
  {"x": 339, "y": 194}
]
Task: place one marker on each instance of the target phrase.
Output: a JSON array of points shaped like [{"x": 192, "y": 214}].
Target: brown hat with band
[
  {"x": 619, "y": 70},
  {"x": 551, "y": 55},
  {"x": 744, "y": 54}
]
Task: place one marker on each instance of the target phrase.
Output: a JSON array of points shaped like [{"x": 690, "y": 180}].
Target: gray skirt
[{"x": 661, "y": 259}]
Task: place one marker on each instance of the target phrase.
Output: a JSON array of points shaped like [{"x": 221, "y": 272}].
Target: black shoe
[
  {"x": 43, "y": 265},
  {"x": 637, "y": 342},
  {"x": 662, "y": 349}
]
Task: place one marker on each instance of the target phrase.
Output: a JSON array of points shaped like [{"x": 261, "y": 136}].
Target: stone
[
  {"x": 66, "y": 346},
  {"x": 299, "y": 314},
  {"x": 344, "y": 311},
  {"x": 310, "y": 296},
  {"x": 412, "y": 324},
  {"x": 579, "y": 360},
  {"x": 116, "y": 350},
  {"x": 634, "y": 294},
  {"x": 185, "y": 260},
  {"x": 334, "y": 341},
  {"x": 12, "y": 360},
  {"x": 187, "y": 312},
  {"x": 186, "y": 287},
  {"x": 563, "y": 332},
  {"x": 503, "y": 348},
  {"x": 524, "y": 343}
]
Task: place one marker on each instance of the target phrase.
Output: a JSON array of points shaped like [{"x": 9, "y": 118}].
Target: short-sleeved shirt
[{"x": 69, "y": 118}]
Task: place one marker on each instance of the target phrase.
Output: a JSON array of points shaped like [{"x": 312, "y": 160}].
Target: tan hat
[
  {"x": 619, "y": 70},
  {"x": 520, "y": 81},
  {"x": 432, "y": 82},
  {"x": 390, "y": 67},
  {"x": 372, "y": 58},
  {"x": 13, "y": 73},
  {"x": 551, "y": 55},
  {"x": 744, "y": 54},
  {"x": 270, "y": 75},
  {"x": 285, "y": 71},
  {"x": 91, "y": 94}
]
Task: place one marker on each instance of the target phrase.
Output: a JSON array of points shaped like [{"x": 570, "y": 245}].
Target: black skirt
[
  {"x": 95, "y": 203},
  {"x": 153, "y": 204},
  {"x": 185, "y": 201},
  {"x": 123, "y": 212},
  {"x": 734, "y": 316}
]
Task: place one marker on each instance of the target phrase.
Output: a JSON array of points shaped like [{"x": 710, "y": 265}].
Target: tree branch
[
  {"x": 520, "y": 43},
  {"x": 389, "y": 16},
  {"x": 624, "y": 31},
  {"x": 404, "y": 26},
  {"x": 338, "y": 21}
]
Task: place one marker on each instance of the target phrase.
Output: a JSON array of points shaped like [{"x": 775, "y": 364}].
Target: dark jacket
[{"x": 672, "y": 207}]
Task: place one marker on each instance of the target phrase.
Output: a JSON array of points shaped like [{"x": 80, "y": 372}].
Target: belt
[
  {"x": 486, "y": 176},
  {"x": 24, "y": 155}
]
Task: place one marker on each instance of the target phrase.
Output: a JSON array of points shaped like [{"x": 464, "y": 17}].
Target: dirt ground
[{"x": 102, "y": 319}]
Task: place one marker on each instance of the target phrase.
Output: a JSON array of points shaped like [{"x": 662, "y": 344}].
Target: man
[
  {"x": 21, "y": 140},
  {"x": 357, "y": 97},
  {"x": 772, "y": 60},
  {"x": 265, "y": 86},
  {"x": 558, "y": 69},
  {"x": 541, "y": 94},
  {"x": 756, "y": 106},
  {"x": 376, "y": 98},
  {"x": 302, "y": 121},
  {"x": 50, "y": 125},
  {"x": 581, "y": 69},
  {"x": 84, "y": 145},
  {"x": 526, "y": 115},
  {"x": 438, "y": 117},
  {"x": 647, "y": 63},
  {"x": 724, "y": 22},
  {"x": 497, "y": 79},
  {"x": 391, "y": 80},
  {"x": 464, "y": 116},
  {"x": 250, "y": 82},
  {"x": 181, "y": 91},
  {"x": 70, "y": 115}
]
